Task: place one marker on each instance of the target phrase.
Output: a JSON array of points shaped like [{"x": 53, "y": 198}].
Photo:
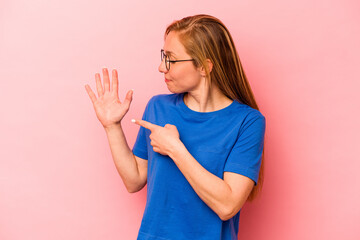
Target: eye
[{"x": 170, "y": 57}]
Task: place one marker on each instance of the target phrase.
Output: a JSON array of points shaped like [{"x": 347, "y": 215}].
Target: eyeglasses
[{"x": 168, "y": 61}]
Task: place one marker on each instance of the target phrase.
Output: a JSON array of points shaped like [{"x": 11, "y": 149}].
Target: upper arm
[
  {"x": 241, "y": 187},
  {"x": 142, "y": 167}
]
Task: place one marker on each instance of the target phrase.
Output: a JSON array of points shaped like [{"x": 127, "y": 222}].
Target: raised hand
[{"x": 108, "y": 107}]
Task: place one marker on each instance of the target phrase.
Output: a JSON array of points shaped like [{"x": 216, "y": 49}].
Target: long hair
[{"x": 206, "y": 37}]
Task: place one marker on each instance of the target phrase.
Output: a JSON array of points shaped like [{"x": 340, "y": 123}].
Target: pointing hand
[{"x": 163, "y": 139}]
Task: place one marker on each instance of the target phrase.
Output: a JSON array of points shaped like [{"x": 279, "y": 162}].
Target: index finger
[{"x": 145, "y": 124}]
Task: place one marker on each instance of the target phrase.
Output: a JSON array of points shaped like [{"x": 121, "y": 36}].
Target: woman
[{"x": 199, "y": 149}]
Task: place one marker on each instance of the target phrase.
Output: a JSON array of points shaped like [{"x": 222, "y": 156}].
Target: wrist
[
  {"x": 177, "y": 149},
  {"x": 112, "y": 127}
]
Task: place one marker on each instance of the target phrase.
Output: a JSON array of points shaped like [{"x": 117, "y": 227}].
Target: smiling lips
[{"x": 167, "y": 80}]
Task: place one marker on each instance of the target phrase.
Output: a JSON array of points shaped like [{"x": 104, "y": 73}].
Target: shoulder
[
  {"x": 246, "y": 116},
  {"x": 246, "y": 112},
  {"x": 161, "y": 108},
  {"x": 163, "y": 99},
  {"x": 255, "y": 122},
  {"x": 255, "y": 114}
]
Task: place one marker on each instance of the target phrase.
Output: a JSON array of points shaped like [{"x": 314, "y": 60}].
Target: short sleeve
[
  {"x": 245, "y": 157},
  {"x": 140, "y": 145}
]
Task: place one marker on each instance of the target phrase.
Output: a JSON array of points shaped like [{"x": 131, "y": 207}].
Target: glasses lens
[{"x": 167, "y": 63}]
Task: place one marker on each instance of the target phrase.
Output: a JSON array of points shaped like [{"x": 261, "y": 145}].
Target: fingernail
[{"x": 133, "y": 120}]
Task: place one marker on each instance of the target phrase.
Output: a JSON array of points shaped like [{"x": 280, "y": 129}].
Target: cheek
[{"x": 185, "y": 76}]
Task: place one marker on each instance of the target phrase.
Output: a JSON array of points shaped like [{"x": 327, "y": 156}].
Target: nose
[{"x": 162, "y": 67}]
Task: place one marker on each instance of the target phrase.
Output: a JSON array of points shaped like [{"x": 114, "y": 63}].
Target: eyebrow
[{"x": 169, "y": 52}]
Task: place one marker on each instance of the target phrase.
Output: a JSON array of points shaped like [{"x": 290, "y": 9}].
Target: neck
[{"x": 208, "y": 100}]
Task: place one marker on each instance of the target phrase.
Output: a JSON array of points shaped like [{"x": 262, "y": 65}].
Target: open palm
[{"x": 108, "y": 107}]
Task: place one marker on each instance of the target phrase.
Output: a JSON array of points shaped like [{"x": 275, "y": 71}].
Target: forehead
[{"x": 173, "y": 45}]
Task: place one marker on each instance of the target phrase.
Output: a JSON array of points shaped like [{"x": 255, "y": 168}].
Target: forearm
[
  {"x": 123, "y": 157},
  {"x": 214, "y": 191}
]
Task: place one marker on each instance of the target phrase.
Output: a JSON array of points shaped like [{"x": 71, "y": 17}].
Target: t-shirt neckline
[{"x": 191, "y": 112}]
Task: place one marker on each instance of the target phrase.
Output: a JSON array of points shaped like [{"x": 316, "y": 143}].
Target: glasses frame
[{"x": 167, "y": 61}]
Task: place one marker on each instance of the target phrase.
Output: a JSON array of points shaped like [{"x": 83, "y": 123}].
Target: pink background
[{"x": 57, "y": 177}]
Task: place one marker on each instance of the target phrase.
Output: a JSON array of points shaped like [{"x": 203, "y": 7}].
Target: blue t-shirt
[{"x": 228, "y": 140}]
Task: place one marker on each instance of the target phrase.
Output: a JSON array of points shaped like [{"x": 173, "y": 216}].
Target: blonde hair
[{"x": 206, "y": 37}]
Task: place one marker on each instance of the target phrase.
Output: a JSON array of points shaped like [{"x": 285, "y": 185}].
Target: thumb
[{"x": 129, "y": 97}]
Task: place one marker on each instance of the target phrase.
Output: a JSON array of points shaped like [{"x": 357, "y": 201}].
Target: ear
[{"x": 202, "y": 68}]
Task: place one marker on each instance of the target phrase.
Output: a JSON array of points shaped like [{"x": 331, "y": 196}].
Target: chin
[
  {"x": 175, "y": 91},
  {"x": 172, "y": 91}
]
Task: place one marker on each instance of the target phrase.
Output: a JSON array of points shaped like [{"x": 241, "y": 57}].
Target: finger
[
  {"x": 128, "y": 98},
  {"x": 115, "y": 83},
  {"x": 99, "y": 87},
  {"x": 145, "y": 124},
  {"x": 106, "y": 80},
  {"x": 90, "y": 93}
]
